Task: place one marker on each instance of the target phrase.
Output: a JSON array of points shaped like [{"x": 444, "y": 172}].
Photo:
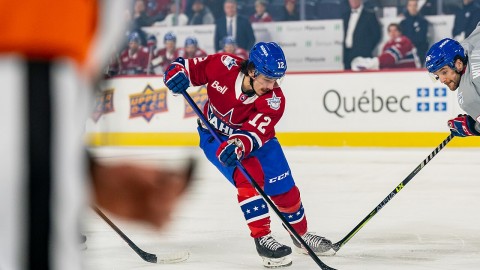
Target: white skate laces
[
  {"x": 269, "y": 242},
  {"x": 272, "y": 252},
  {"x": 318, "y": 244}
]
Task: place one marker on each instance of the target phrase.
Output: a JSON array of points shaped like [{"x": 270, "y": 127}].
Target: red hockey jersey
[
  {"x": 134, "y": 63},
  {"x": 228, "y": 108},
  {"x": 399, "y": 53}
]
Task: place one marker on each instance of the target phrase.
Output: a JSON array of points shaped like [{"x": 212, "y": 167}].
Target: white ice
[{"x": 433, "y": 223}]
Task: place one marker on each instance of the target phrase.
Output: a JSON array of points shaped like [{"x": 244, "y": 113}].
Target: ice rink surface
[{"x": 433, "y": 223}]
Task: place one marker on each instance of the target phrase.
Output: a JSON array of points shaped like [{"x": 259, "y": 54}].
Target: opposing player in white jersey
[
  {"x": 245, "y": 102},
  {"x": 458, "y": 67}
]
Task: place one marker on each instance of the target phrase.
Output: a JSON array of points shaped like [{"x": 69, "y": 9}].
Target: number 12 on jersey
[{"x": 265, "y": 121}]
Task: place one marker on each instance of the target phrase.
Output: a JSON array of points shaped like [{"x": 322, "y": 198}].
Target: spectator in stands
[
  {"x": 216, "y": 7},
  {"x": 289, "y": 12},
  {"x": 362, "y": 32},
  {"x": 230, "y": 46},
  {"x": 201, "y": 14},
  {"x": 191, "y": 49},
  {"x": 261, "y": 14},
  {"x": 415, "y": 27},
  {"x": 166, "y": 55},
  {"x": 140, "y": 17},
  {"x": 132, "y": 28},
  {"x": 233, "y": 25},
  {"x": 172, "y": 18},
  {"x": 134, "y": 59},
  {"x": 159, "y": 8},
  {"x": 398, "y": 52},
  {"x": 466, "y": 19}
]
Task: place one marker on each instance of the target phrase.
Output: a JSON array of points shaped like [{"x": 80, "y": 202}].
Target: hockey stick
[
  {"x": 148, "y": 257},
  {"x": 392, "y": 194},
  {"x": 257, "y": 187}
]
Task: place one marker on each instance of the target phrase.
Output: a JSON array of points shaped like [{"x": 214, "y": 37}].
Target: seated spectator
[
  {"x": 466, "y": 19},
  {"x": 157, "y": 8},
  {"x": 415, "y": 27},
  {"x": 261, "y": 14},
  {"x": 134, "y": 59},
  {"x": 230, "y": 46},
  {"x": 398, "y": 52},
  {"x": 140, "y": 17},
  {"x": 132, "y": 28},
  {"x": 191, "y": 49},
  {"x": 172, "y": 18},
  {"x": 201, "y": 14},
  {"x": 290, "y": 11},
  {"x": 216, "y": 6},
  {"x": 164, "y": 57}
]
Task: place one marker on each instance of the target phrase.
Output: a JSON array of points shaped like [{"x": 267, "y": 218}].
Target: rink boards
[{"x": 368, "y": 109}]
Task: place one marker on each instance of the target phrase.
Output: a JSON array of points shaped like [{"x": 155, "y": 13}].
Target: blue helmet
[
  {"x": 152, "y": 38},
  {"x": 191, "y": 41},
  {"x": 268, "y": 59},
  {"x": 229, "y": 40},
  {"x": 444, "y": 53},
  {"x": 169, "y": 36},
  {"x": 134, "y": 37},
  {"x": 152, "y": 41}
]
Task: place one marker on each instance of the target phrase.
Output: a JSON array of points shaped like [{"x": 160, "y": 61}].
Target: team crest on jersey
[
  {"x": 460, "y": 98},
  {"x": 103, "y": 104},
  {"x": 274, "y": 102},
  {"x": 229, "y": 61},
  {"x": 149, "y": 102},
  {"x": 200, "y": 97}
]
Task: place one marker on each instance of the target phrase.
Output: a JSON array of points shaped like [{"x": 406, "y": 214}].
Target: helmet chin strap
[{"x": 250, "y": 93}]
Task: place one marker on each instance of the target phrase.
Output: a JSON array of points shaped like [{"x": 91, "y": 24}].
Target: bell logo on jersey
[
  {"x": 219, "y": 88},
  {"x": 229, "y": 61},
  {"x": 198, "y": 60},
  {"x": 274, "y": 102}
]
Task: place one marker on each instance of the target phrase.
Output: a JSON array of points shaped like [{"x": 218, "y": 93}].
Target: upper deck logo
[
  {"x": 103, "y": 104},
  {"x": 200, "y": 97},
  {"x": 149, "y": 102},
  {"x": 274, "y": 101}
]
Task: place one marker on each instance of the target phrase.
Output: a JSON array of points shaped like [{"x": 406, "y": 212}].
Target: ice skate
[
  {"x": 319, "y": 244},
  {"x": 272, "y": 252}
]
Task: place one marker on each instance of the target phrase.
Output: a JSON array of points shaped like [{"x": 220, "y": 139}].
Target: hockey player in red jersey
[
  {"x": 165, "y": 56},
  {"x": 191, "y": 49},
  {"x": 245, "y": 102},
  {"x": 134, "y": 59},
  {"x": 230, "y": 46},
  {"x": 398, "y": 52}
]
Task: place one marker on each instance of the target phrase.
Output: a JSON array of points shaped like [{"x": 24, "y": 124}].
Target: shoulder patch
[
  {"x": 460, "y": 98},
  {"x": 274, "y": 102},
  {"x": 229, "y": 61}
]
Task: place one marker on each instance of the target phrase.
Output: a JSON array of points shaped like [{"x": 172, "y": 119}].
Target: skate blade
[
  {"x": 277, "y": 262},
  {"x": 328, "y": 253}
]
